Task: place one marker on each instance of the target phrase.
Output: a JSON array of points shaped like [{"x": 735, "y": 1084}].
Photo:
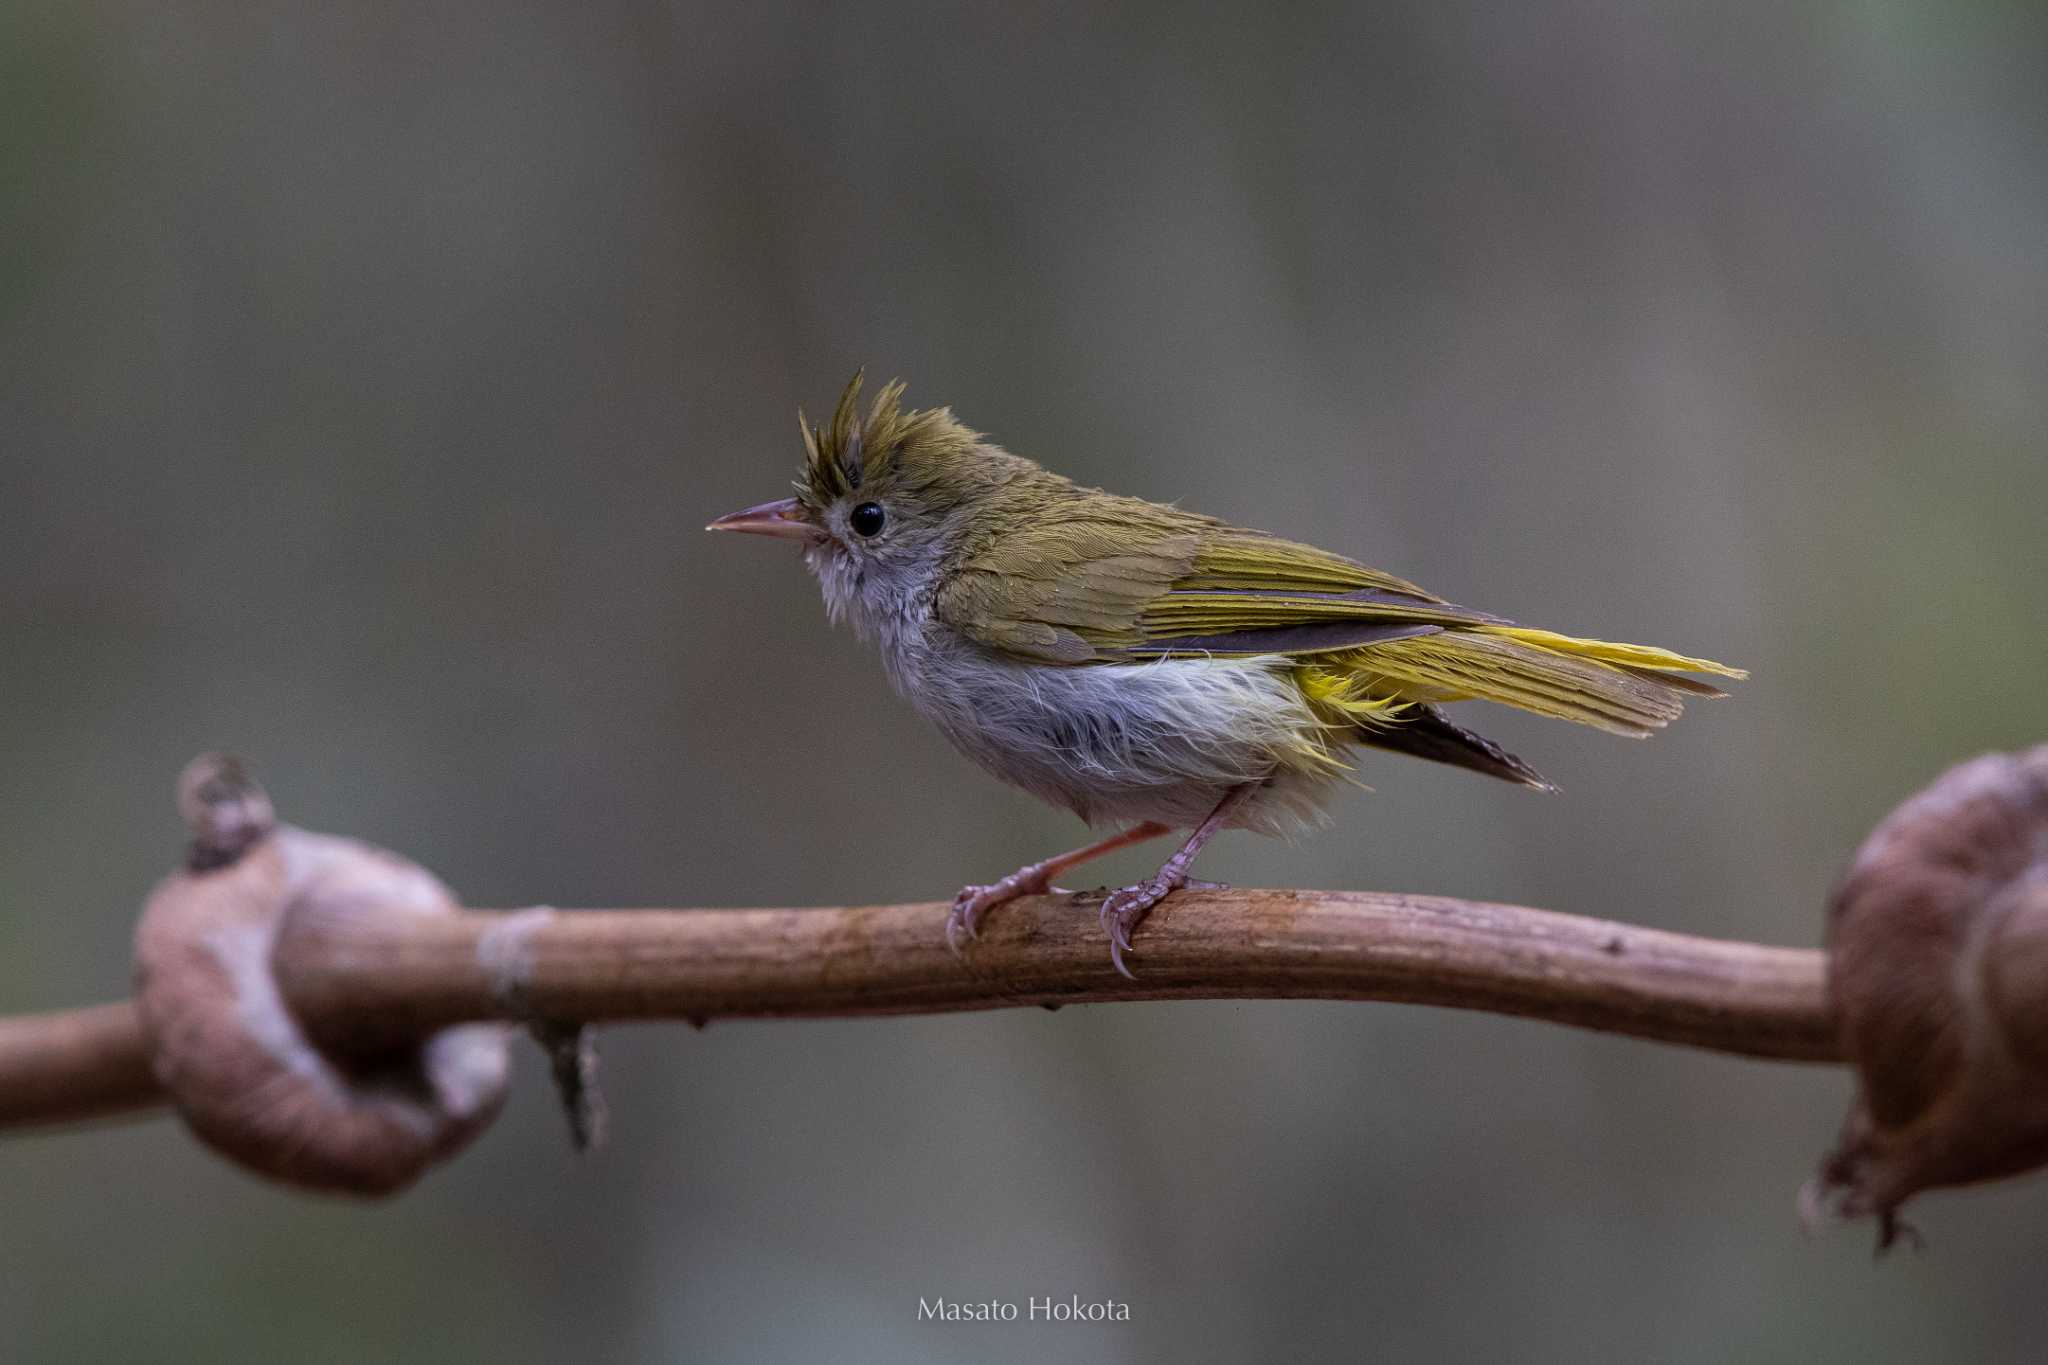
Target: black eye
[{"x": 867, "y": 519}]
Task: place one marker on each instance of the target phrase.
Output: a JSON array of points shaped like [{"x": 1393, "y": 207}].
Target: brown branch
[
  {"x": 326, "y": 1014},
  {"x": 74, "y": 1064},
  {"x": 359, "y": 981}
]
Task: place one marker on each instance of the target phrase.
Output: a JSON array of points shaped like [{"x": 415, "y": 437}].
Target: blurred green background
[{"x": 368, "y": 370}]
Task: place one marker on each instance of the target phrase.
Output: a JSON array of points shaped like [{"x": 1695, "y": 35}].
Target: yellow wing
[
  {"x": 1114, "y": 580},
  {"x": 1101, "y": 579}
]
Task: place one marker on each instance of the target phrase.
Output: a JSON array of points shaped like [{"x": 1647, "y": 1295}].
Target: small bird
[{"x": 1139, "y": 664}]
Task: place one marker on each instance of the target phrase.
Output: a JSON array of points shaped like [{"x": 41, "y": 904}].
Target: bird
[{"x": 1152, "y": 668}]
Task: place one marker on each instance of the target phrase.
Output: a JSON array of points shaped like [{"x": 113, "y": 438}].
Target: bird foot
[
  {"x": 1122, "y": 911},
  {"x": 973, "y": 902}
]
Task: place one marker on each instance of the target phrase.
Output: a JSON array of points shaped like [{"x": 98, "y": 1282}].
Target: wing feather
[
  {"x": 1119, "y": 579},
  {"x": 1098, "y": 579},
  {"x": 1233, "y": 557}
]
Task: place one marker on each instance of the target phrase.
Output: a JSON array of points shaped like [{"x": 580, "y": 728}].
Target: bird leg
[
  {"x": 1123, "y": 910},
  {"x": 1035, "y": 879}
]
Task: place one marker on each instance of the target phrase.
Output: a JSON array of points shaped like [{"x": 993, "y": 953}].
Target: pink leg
[
  {"x": 1123, "y": 910},
  {"x": 1035, "y": 879}
]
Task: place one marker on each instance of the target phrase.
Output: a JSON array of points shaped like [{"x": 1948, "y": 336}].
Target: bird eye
[{"x": 867, "y": 519}]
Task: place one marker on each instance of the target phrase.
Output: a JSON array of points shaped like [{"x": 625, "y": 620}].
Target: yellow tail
[{"x": 1625, "y": 689}]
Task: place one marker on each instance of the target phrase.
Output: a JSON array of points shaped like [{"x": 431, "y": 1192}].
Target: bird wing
[
  {"x": 1141, "y": 581},
  {"x": 1251, "y": 593},
  {"x": 1067, "y": 589},
  {"x": 1103, "y": 584}
]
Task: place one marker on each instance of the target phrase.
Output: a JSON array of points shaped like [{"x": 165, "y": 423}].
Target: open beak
[{"x": 784, "y": 517}]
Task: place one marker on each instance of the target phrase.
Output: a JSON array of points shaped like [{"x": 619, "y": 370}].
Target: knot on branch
[
  {"x": 244, "y": 1074},
  {"x": 1938, "y": 982}
]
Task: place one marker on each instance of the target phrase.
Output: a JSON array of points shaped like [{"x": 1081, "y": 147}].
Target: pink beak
[{"x": 784, "y": 517}]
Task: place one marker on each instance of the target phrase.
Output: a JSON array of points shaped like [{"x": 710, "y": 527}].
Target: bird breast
[{"x": 1162, "y": 740}]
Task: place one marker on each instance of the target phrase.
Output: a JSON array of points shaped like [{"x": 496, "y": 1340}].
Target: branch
[
  {"x": 359, "y": 982},
  {"x": 325, "y": 1013},
  {"x": 606, "y": 965},
  {"x": 74, "y": 1064}
]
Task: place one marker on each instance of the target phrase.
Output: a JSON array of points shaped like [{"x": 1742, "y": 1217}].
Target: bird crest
[{"x": 854, "y": 451}]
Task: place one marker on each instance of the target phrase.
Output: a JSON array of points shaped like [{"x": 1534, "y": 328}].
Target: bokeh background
[{"x": 367, "y": 371}]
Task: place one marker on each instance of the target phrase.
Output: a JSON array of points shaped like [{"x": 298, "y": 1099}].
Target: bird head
[{"x": 880, "y": 498}]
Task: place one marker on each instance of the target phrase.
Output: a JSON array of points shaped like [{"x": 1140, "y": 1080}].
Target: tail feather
[
  {"x": 1462, "y": 667},
  {"x": 1691, "y": 686},
  {"x": 1643, "y": 657},
  {"x": 1626, "y": 689},
  {"x": 1425, "y": 732}
]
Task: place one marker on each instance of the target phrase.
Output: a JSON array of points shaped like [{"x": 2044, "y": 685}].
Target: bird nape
[{"x": 1151, "y": 667}]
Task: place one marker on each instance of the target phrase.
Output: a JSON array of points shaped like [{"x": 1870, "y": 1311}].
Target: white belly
[{"x": 1158, "y": 741}]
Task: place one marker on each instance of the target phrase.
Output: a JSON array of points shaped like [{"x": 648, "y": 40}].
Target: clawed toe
[
  {"x": 973, "y": 903},
  {"x": 1122, "y": 912},
  {"x": 964, "y": 924}
]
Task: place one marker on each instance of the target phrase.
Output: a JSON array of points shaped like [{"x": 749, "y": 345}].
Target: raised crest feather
[{"x": 852, "y": 451}]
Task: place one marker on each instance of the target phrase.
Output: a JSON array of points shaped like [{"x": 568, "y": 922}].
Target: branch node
[
  {"x": 224, "y": 807},
  {"x": 505, "y": 953},
  {"x": 1938, "y": 981},
  {"x": 571, "y": 1050},
  {"x": 237, "y": 1062}
]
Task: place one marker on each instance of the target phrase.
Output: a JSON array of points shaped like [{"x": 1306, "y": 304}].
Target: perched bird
[{"x": 1133, "y": 662}]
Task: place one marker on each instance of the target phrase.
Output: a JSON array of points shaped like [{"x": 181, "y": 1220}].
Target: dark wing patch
[{"x": 1320, "y": 637}]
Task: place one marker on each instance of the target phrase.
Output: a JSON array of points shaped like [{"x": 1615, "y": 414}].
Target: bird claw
[
  {"x": 959, "y": 928},
  {"x": 963, "y": 924},
  {"x": 973, "y": 902},
  {"x": 1123, "y": 910}
]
